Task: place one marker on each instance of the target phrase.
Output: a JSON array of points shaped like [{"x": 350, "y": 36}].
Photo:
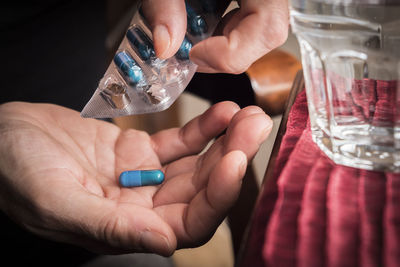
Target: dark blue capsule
[
  {"x": 184, "y": 49},
  {"x": 141, "y": 178},
  {"x": 141, "y": 43},
  {"x": 197, "y": 25},
  {"x": 128, "y": 68}
]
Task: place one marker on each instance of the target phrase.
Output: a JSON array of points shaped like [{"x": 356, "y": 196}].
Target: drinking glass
[{"x": 351, "y": 62}]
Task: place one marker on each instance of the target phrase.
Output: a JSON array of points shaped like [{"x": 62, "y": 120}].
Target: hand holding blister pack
[{"x": 138, "y": 82}]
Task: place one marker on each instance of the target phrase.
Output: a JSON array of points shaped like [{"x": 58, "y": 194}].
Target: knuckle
[
  {"x": 231, "y": 65},
  {"x": 281, "y": 35},
  {"x": 276, "y": 31}
]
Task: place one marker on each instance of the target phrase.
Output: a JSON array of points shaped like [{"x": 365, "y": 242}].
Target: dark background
[{"x": 56, "y": 52}]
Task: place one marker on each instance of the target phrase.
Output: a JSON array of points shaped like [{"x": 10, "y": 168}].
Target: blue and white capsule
[
  {"x": 141, "y": 43},
  {"x": 139, "y": 178},
  {"x": 184, "y": 49},
  {"x": 128, "y": 68},
  {"x": 196, "y": 24}
]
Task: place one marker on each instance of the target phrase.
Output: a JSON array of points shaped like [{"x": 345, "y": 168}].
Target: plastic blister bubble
[{"x": 137, "y": 81}]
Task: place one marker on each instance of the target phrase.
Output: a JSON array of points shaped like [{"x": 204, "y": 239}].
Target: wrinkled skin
[
  {"x": 59, "y": 176},
  {"x": 244, "y": 35}
]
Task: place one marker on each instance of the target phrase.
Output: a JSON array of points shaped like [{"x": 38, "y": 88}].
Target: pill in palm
[{"x": 138, "y": 178}]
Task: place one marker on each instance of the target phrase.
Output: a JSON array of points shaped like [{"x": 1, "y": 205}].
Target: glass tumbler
[{"x": 351, "y": 63}]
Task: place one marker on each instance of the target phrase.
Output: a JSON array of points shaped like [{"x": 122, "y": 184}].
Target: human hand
[
  {"x": 59, "y": 176},
  {"x": 248, "y": 33}
]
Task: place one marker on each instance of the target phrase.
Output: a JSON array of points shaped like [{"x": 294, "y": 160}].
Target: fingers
[
  {"x": 247, "y": 130},
  {"x": 195, "y": 135},
  {"x": 197, "y": 221},
  {"x": 181, "y": 166},
  {"x": 207, "y": 210},
  {"x": 101, "y": 224},
  {"x": 167, "y": 20},
  {"x": 251, "y": 32},
  {"x": 225, "y": 182},
  {"x": 183, "y": 187}
]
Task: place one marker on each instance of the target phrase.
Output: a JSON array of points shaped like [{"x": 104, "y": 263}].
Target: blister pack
[{"x": 138, "y": 82}]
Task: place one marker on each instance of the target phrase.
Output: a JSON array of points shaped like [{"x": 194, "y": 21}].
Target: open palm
[{"x": 59, "y": 176}]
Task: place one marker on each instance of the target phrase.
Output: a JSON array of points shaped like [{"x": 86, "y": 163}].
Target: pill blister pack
[{"x": 138, "y": 82}]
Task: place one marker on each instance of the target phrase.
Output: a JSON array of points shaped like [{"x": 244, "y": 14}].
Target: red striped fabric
[{"x": 317, "y": 213}]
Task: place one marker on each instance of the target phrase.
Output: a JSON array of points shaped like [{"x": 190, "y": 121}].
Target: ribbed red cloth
[
  {"x": 317, "y": 213},
  {"x": 367, "y": 101}
]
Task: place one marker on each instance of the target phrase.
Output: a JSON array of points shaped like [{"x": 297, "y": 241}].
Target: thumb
[
  {"x": 125, "y": 227},
  {"x": 167, "y": 21},
  {"x": 69, "y": 213}
]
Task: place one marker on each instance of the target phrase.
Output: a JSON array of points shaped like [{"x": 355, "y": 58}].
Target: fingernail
[
  {"x": 243, "y": 164},
  {"x": 267, "y": 129},
  {"x": 162, "y": 41},
  {"x": 155, "y": 242}
]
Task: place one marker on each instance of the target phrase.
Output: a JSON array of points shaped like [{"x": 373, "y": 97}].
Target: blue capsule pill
[
  {"x": 184, "y": 49},
  {"x": 197, "y": 25},
  {"x": 141, "y": 178},
  {"x": 128, "y": 68},
  {"x": 141, "y": 43}
]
